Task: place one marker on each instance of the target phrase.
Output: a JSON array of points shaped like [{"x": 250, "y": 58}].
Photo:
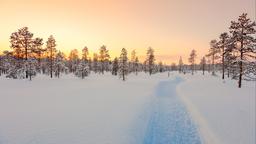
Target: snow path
[{"x": 169, "y": 121}]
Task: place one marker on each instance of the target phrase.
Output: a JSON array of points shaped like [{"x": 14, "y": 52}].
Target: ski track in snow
[{"x": 169, "y": 121}]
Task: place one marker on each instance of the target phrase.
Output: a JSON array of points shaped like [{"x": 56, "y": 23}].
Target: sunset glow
[{"x": 172, "y": 27}]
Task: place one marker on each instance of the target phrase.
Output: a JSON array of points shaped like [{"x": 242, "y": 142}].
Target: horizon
[{"x": 171, "y": 28}]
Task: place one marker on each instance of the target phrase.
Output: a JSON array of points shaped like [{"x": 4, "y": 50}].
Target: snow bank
[{"x": 224, "y": 113}]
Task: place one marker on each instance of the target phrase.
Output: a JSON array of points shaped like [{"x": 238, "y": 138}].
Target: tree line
[
  {"x": 233, "y": 54},
  {"x": 30, "y": 57}
]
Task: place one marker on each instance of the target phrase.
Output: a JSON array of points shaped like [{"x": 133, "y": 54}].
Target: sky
[{"x": 171, "y": 27}]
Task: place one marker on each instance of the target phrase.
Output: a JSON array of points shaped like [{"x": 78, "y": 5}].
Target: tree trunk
[
  {"x": 123, "y": 77},
  {"x": 26, "y": 55},
  {"x": 213, "y": 65},
  {"x": 51, "y": 65},
  {"x": 228, "y": 72},
  {"x": 223, "y": 69},
  {"x": 240, "y": 70},
  {"x": 203, "y": 69}
]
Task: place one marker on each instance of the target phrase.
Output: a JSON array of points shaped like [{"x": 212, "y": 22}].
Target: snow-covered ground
[
  {"x": 224, "y": 113},
  {"x": 102, "y": 109}
]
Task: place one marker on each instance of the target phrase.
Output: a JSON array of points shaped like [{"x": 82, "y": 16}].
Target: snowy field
[{"x": 102, "y": 109}]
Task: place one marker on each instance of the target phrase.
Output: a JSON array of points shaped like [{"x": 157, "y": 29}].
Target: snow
[
  {"x": 95, "y": 110},
  {"x": 102, "y": 109},
  {"x": 224, "y": 113}
]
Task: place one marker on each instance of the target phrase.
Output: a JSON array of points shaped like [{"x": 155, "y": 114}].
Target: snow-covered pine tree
[
  {"x": 242, "y": 32},
  {"x": 115, "y": 66},
  {"x": 230, "y": 58},
  {"x": 73, "y": 60},
  {"x": 223, "y": 45},
  {"x": 30, "y": 67},
  {"x": 8, "y": 64},
  {"x": 22, "y": 44},
  {"x": 150, "y": 61},
  {"x": 123, "y": 64},
  {"x": 192, "y": 59},
  {"x": 82, "y": 69},
  {"x": 136, "y": 65},
  {"x": 59, "y": 64},
  {"x": 103, "y": 58},
  {"x": 213, "y": 51},
  {"x": 51, "y": 52},
  {"x": 95, "y": 63}
]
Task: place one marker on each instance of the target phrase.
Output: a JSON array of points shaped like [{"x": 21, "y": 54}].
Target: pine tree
[
  {"x": 123, "y": 64},
  {"x": 203, "y": 63},
  {"x": 242, "y": 32},
  {"x": 85, "y": 53},
  {"x": 150, "y": 61},
  {"x": 213, "y": 51},
  {"x": 82, "y": 70},
  {"x": 230, "y": 58},
  {"x": 103, "y": 59},
  {"x": 192, "y": 59},
  {"x": 115, "y": 67},
  {"x": 136, "y": 65},
  {"x": 37, "y": 44},
  {"x": 59, "y": 64},
  {"x": 51, "y": 52},
  {"x": 133, "y": 58},
  {"x": 73, "y": 60},
  {"x": 30, "y": 67},
  {"x": 95, "y": 65},
  {"x": 22, "y": 44},
  {"x": 222, "y": 45}
]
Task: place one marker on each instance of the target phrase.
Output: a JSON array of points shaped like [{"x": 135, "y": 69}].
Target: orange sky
[{"x": 172, "y": 27}]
